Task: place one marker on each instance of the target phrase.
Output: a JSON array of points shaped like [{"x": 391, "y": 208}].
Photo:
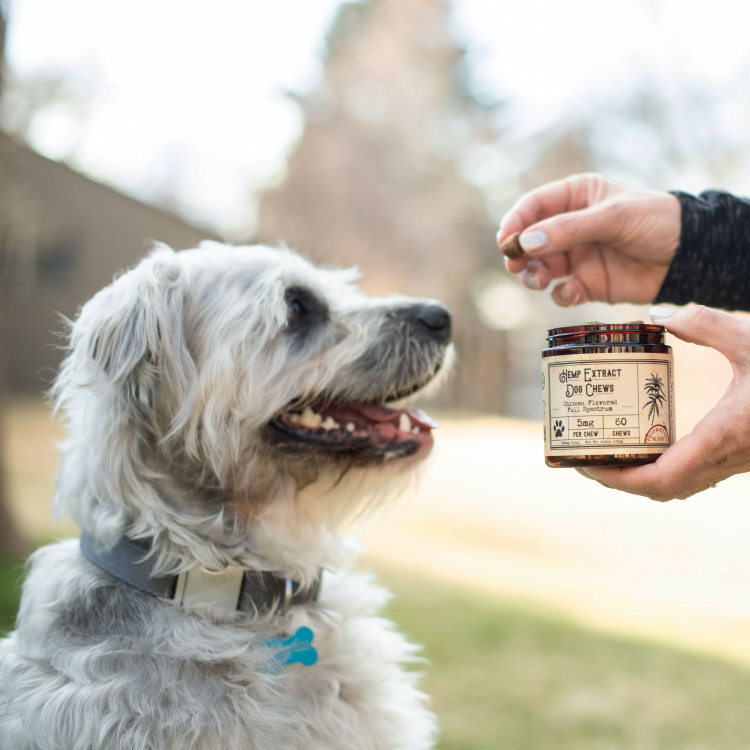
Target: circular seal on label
[{"x": 657, "y": 434}]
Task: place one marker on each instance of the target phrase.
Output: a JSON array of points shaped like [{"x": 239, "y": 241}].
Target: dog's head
[{"x": 203, "y": 387}]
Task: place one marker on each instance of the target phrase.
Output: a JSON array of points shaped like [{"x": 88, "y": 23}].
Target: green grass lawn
[
  {"x": 11, "y": 575},
  {"x": 504, "y": 678}
]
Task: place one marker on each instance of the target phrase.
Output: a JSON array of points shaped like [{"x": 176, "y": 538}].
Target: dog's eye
[
  {"x": 303, "y": 309},
  {"x": 295, "y": 309}
]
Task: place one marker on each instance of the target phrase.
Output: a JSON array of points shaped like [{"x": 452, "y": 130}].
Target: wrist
[
  {"x": 712, "y": 264},
  {"x": 673, "y": 225}
]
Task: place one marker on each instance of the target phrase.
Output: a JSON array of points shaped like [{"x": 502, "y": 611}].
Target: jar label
[{"x": 603, "y": 404}]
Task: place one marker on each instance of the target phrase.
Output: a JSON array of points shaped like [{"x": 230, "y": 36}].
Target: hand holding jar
[
  {"x": 606, "y": 242},
  {"x": 719, "y": 446}
]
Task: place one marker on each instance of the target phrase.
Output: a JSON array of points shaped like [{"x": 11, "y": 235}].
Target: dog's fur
[{"x": 173, "y": 375}]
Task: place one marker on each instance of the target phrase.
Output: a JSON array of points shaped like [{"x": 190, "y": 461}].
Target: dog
[{"x": 229, "y": 412}]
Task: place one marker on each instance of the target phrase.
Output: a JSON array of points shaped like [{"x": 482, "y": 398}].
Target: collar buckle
[
  {"x": 199, "y": 587},
  {"x": 288, "y": 595}
]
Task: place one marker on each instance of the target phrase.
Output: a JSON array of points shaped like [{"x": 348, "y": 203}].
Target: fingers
[
  {"x": 563, "y": 232},
  {"x": 556, "y": 216},
  {"x": 558, "y": 265},
  {"x": 560, "y": 196},
  {"x": 637, "y": 480},
  {"x": 547, "y": 200},
  {"x": 584, "y": 473},
  {"x": 689, "y": 466},
  {"x": 666, "y": 479},
  {"x": 728, "y": 334},
  {"x": 539, "y": 272},
  {"x": 536, "y": 275},
  {"x": 571, "y": 292}
]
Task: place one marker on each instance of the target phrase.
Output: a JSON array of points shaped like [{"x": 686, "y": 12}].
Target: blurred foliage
[{"x": 376, "y": 179}]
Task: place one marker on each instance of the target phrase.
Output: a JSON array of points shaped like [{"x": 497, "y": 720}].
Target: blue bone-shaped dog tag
[{"x": 296, "y": 648}]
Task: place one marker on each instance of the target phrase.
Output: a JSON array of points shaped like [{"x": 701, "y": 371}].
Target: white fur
[{"x": 173, "y": 374}]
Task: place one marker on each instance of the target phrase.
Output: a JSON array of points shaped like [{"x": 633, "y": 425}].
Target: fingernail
[
  {"x": 498, "y": 236},
  {"x": 565, "y": 297},
  {"x": 661, "y": 313},
  {"x": 531, "y": 279},
  {"x": 532, "y": 241}
]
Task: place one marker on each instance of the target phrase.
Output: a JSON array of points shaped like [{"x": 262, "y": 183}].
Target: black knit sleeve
[{"x": 712, "y": 263}]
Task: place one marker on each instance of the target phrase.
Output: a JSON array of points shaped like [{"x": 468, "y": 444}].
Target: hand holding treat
[{"x": 610, "y": 242}]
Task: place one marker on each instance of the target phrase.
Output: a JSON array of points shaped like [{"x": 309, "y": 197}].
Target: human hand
[
  {"x": 719, "y": 446},
  {"x": 615, "y": 243}
]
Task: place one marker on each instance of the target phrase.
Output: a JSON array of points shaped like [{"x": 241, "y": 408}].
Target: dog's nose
[{"x": 437, "y": 320}]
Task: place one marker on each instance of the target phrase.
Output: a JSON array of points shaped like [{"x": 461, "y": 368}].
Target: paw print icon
[{"x": 558, "y": 428}]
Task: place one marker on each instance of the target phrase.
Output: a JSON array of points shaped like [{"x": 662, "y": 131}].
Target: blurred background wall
[{"x": 65, "y": 236}]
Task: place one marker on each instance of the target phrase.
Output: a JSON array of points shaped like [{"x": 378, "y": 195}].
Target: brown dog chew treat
[{"x": 511, "y": 247}]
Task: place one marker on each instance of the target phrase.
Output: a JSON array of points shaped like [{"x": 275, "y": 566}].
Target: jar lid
[{"x": 634, "y": 326}]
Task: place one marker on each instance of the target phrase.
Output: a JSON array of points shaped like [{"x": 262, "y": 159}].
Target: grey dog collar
[{"x": 234, "y": 588}]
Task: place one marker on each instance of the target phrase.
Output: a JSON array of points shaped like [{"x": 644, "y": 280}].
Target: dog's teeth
[
  {"x": 415, "y": 430},
  {"x": 350, "y": 427},
  {"x": 404, "y": 423},
  {"x": 310, "y": 419},
  {"x": 330, "y": 424},
  {"x": 293, "y": 417}
]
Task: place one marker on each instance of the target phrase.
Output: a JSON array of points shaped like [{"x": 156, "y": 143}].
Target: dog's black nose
[{"x": 437, "y": 320}]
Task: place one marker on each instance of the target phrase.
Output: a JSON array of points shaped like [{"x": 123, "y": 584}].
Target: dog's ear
[{"x": 132, "y": 333}]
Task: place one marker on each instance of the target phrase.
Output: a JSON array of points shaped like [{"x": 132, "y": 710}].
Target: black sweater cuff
[{"x": 712, "y": 263}]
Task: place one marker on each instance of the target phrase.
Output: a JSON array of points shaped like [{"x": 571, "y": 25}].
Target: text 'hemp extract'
[{"x": 608, "y": 395}]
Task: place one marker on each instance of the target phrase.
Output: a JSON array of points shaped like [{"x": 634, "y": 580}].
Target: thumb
[
  {"x": 728, "y": 334},
  {"x": 564, "y": 231}
]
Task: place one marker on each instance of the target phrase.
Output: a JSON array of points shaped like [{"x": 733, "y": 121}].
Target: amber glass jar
[{"x": 608, "y": 395}]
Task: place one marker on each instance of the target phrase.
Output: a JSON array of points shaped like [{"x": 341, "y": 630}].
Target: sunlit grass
[
  {"x": 505, "y": 678},
  {"x": 11, "y": 575}
]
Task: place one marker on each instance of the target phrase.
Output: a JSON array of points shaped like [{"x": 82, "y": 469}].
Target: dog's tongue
[{"x": 380, "y": 414}]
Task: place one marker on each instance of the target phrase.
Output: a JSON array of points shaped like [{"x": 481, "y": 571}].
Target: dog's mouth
[
  {"x": 366, "y": 431},
  {"x": 356, "y": 432}
]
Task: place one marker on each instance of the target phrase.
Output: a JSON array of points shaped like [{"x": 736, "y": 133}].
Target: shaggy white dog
[{"x": 225, "y": 410}]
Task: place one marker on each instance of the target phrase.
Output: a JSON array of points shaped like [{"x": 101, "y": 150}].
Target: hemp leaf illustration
[{"x": 656, "y": 399}]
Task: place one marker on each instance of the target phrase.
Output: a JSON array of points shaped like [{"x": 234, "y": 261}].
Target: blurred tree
[
  {"x": 379, "y": 177},
  {"x": 643, "y": 135},
  {"x": 11, "y": 542},
  {"x": 30, "y": 95}
]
